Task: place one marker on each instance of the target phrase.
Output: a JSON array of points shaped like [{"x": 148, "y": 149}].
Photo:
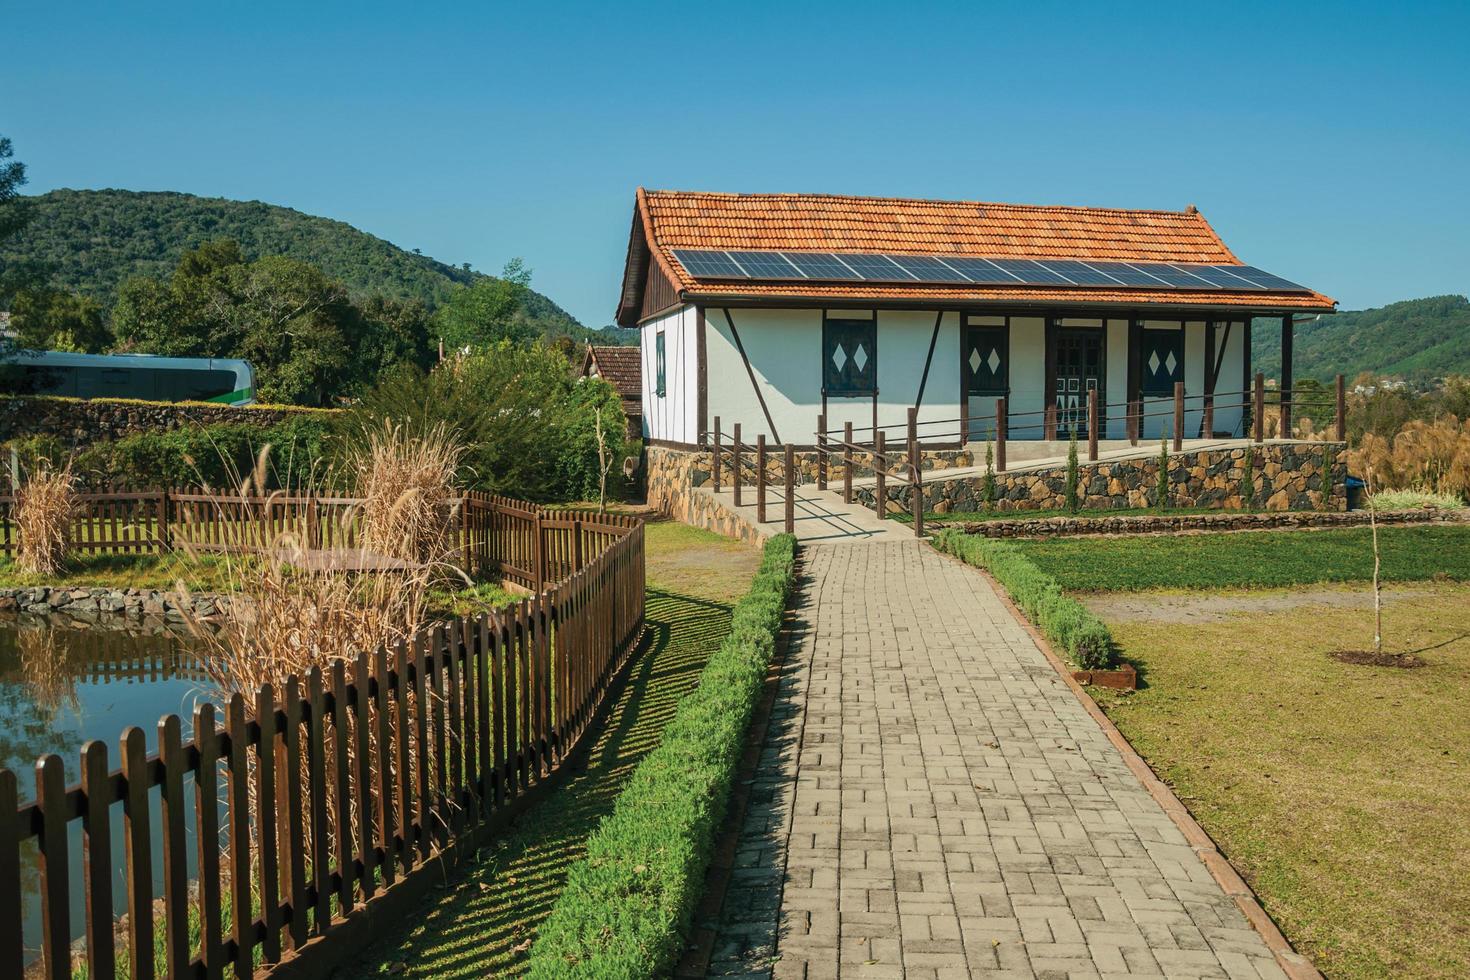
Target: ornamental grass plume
[
  {"x": 407, "y": 484},
  {"x": 45, "y": 504},
  {"x": 1430, "y": 456}
]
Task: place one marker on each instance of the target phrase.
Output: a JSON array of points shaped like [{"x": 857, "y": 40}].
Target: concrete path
[
  {"x": 933, "y": 801},
  {"x": 818, "y": 516}
]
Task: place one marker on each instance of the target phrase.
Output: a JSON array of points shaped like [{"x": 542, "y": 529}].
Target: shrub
[
  {"x": 44, "y": 505},
  {"x": 987, "y": 488},
  {"x": 408, "y": 493},
  {"x": 1433, "y": 456},
  {"x": 1417, "y": 499},
  {"x": 1071, "y": 487},
  {"x": 1248, "y": 479},
  {"x": 525, "y": 422},
  {"x": 1161, "y": 497},
  {"x": 628, "y": 903},
  {"x": 1064, "y": 621}
]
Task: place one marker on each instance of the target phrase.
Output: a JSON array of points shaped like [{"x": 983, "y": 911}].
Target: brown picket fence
[{"x": 339, "y": 787}]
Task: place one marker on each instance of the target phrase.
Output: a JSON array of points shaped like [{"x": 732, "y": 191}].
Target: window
[
  {"x": 1162, "y": 363},
  {"x": 849, "y": 357},
  {"x": 659, "y": 388}
]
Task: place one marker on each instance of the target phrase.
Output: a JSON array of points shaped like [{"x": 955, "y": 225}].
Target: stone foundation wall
[
  {"x": 78, "y": 422},
  {"x": 1287, "y": 477}
]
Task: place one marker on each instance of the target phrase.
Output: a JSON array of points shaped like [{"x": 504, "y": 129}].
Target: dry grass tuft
[
  {"x": 409, "y": 493},
  {"x": 1430, "y": 456},
  {"x": 45, "y": 503}
]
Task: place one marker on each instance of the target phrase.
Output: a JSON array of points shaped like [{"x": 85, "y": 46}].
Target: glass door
[{"x": 1079, "y": 361}]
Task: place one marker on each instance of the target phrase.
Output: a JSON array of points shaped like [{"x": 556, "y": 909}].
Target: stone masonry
[{"x": 932, "y": 801}]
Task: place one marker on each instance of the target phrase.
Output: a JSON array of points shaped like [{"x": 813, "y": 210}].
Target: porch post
[
  {"x": 735, "y": 465},
  {"x": 1178, "y": 416},
  {"x": 847, "y": 462},
  {"x": 1092, "y": 425},
  {"x": 880, "y": 470},
  {"x": 715, "y": 463},
  {"x": 1000, "y": 435},
  {"x": 1286, "y": 376},
  {"x": 822, "y": 451},
  {"x": 1207, "y": 423},
  {"x": 760, "y": 478},
  {"x": 1341, "y": 409},
  {"x": 1258, "y": 407},
  {"x": 790, "y": 467}
]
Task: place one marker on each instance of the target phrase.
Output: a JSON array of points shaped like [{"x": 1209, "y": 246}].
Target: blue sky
[{"x": 1326, "y": 143}]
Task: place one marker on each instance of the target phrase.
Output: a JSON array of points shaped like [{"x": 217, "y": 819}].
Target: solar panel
[
  {"x": 927, "y": 269},
  {"x": 1082, "y": 273},
  {"x": 821, "y": 265},
  {"x": 846, "y": 267},
  {"x": 982, "y": 271},
  {"x": 765, "y": 265},
  {"x": 708, "y": 265},
  {"x": 878, "y": 268},
  {"x": 1127, "y": 274},
  {"x": 1032, "y": 272},
  {"x": 1264, "y": 279}
]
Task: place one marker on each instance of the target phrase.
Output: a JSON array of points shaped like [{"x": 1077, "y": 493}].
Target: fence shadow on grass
[{"x": 483, "y": 921}]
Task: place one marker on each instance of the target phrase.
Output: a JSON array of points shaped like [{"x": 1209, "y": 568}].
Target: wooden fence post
[
  {"x": 165, "y": 535},
  {"x": 880, "y": 470},
  {"x": 1092, "y": 425},
  {"x": 1258, "y": 407},
  {"x": 1341, "y": 409},
  {"x": 790, "y": 467},
  {"x": 847, "y": 462},
  {"x": 577, "y": 559},
  {"x": 735, "y": 464},
  {"x": 760, "y": 478},
  {"x": 1000, "y": 435},
  {"x": 1135, "y": 410},
  {"x": 822, "y": 451},
  {"x": 913, "y": 430},
  {"x": 1178, "y": 416},
  {"x": 1207, "y": 426},
  {"x": 715, "y": 463},
  {"x": 1049, "y": 423},
  {"x": 538, "y": 552},
  {"x": 917, "y": 502}
]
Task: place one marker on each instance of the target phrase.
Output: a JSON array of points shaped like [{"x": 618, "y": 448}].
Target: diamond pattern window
[
  {"x": 1163, "y": 362},
  {"x": 849, "y": 357}
]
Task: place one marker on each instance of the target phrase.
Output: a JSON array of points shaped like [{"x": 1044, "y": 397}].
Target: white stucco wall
[
  {"x": 674, "y": 417},
  {"x": 785, "y": 351}
]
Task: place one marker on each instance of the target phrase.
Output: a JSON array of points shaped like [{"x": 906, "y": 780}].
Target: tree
[
  {"x": 488, "y": 311},
  {"x": 51, "y": 319},
  {"x": 14, "y": 214}
]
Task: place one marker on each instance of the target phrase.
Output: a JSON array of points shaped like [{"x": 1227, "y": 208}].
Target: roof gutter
[{"x": 738, "y": 300}]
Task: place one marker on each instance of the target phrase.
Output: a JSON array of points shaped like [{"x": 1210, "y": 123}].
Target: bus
[{"x": 143, "y": 376}]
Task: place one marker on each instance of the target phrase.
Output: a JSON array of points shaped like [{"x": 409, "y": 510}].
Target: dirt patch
[
  {"x": 1167, "y": 607},
  {"x": 1368, "y": 658}
]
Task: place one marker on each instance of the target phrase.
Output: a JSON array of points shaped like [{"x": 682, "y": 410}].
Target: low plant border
[
  {"x": 1017, "y": 525},
  {"x": 1064, "y": 620},
  {"x": 628, "y": 903}
]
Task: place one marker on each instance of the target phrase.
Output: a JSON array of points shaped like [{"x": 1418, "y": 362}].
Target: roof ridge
[{"x": 1187, "y": 211}]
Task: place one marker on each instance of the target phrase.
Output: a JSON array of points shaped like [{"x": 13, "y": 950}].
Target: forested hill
[
  {"x": 1418, "y": 339},
  {"x": 94, "y": 240}
]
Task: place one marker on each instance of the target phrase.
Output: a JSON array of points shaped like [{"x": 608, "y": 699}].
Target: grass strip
[
  {"x": 1252, "y": 559},
  {"x": 1065, "y": 621},
  {"x": 627, "y": 904}
]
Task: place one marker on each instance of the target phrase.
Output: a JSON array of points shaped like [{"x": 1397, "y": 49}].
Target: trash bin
[{"x": 1355, "y": 489}]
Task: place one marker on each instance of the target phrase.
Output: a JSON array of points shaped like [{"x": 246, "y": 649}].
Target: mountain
[
  {"x": 93, "y": 240},
  {"x": 1418, "y": 340}
]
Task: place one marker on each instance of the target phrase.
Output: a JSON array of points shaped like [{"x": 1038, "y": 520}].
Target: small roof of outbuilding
[{"x": 622, "y": 367}]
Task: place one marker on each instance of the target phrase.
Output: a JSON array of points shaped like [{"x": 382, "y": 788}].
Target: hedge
[
  {"x": 627, "y": 905},
  {"x": 1065, "y": 621}
]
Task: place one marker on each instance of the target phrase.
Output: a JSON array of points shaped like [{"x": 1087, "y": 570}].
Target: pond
[{"x": 63, "y": 684}]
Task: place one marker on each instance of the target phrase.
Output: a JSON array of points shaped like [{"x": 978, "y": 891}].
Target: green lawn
[
  {"x": 483, "y": 922},
  {"x": 201, "y": 573},
  {"x": 1256, "y": 558},
  {"x": 1340, "y": 792}
]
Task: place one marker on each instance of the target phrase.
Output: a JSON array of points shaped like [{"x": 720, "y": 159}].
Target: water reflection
[{"x": 63, "y": 684}]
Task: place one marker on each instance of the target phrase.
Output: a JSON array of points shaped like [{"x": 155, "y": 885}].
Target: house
[
  {"x": 777, "y": 310},
  {"x": 621, "y": 367}
]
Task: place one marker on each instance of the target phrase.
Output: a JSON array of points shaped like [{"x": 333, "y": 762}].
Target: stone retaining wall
[
  {"x": 1288, "y": 476},
  {"x": 1046, "y": 527},
  {"x": 78, "y": 422},
  {"x": 89, "y": 604}
]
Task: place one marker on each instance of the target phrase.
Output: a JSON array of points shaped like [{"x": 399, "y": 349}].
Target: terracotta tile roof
[
  {"x": 668, "y": 220},
  {"x": 622, "y": 367}
]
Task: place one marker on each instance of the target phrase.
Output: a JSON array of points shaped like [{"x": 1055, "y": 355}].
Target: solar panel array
[{"x": 947, "y": 270}]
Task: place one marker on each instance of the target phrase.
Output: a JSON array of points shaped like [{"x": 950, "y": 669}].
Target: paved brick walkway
[{"x": 934, "y": 802}]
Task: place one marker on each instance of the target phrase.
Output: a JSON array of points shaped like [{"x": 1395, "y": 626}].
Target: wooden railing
[{"x": 339, "y": 787}]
